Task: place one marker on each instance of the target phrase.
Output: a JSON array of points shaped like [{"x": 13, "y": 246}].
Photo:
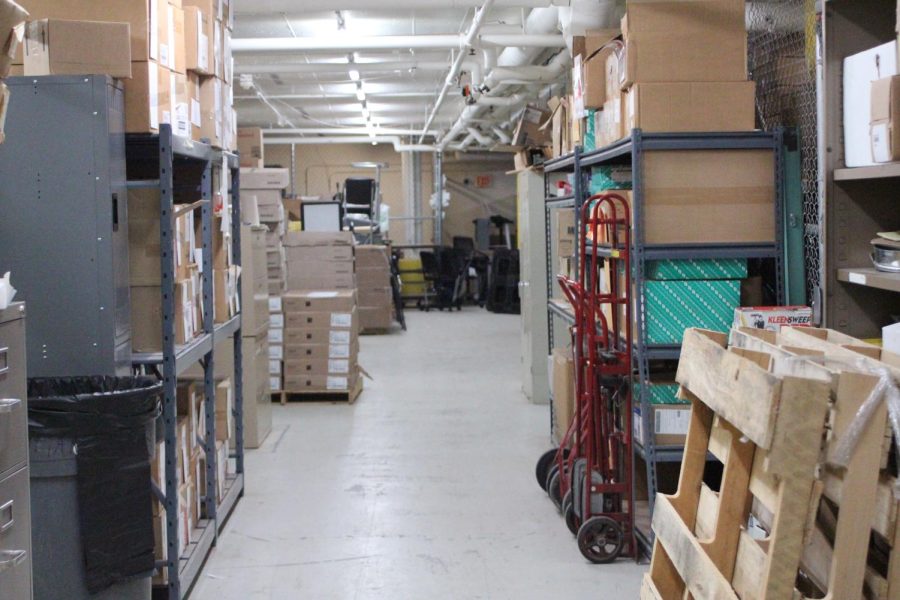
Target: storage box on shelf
[{"x": 267, "y": 186}]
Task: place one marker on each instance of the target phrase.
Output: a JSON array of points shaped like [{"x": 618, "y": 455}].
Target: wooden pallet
[
  {"x": 348, "y": 397},
  {"x": 773, "y": 416}
]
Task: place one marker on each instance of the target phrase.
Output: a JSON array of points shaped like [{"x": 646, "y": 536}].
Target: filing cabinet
[{"x": 15, "y": 503}]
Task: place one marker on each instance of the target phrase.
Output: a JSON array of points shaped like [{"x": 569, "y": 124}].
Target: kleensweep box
[{"x": 772, "y": 318}]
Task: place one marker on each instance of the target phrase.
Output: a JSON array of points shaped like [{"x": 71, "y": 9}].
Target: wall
[{"x": 321, "y": 169}]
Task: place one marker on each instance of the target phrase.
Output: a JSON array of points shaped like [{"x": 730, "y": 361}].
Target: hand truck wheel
[
  {"x": 553, "y": 486},
  {"x": 568, "y": 507},
  {"x": 543, "y": 467},
  {"x": 600, "y": 539}
]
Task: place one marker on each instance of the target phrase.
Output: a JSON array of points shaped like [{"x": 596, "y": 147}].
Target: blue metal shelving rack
[
  {"x": 160, "y": 161},
  {"x": 631, "y": 151}
]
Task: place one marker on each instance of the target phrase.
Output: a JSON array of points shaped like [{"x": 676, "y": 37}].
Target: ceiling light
[
  {"x": 374, "y": 143},
  {"x": 360, "y": 94},
  {"x": 365, "y": 112},
  {"x": 371, "y": 134},
  {"x": 354, "y": 75}
]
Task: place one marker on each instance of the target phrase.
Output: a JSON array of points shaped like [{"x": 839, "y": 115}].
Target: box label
[
  {"x": 339, "y": 366},
  {"x": 339, "y": 351},
  {"x": 337, "y": 383},
  {"x": 275, "y": 367},
  {"x": 276, "y": 352},
  {"x": 341, "y": 319},
  {"x": 672, "y": 422},
  {"x": 196, "y": 114},
  {"x": 275, "y": 383},
  {"x": 339, "y": 337}
]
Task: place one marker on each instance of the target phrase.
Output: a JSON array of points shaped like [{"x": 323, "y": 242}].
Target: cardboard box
[
  {"x": 860, "y": 70},
  {"x": 265, "y": 179},
  {"x": 670, "y": 307},
  {"x": 565, "y": 237},
  {"x": 695, "y": 106},
  {"x": 301, "y": 382},
  {"x": 685, "y": 40},
  {"x": 146, "y": 316},
  {"x": 709, "y": 196},
  {"x": 147, "y": 19},
  {"x": 563, "y": 382},
  {"x": 772, "y": 318},
  {"x": 376, "y": 297},
  {"x": 146, "y": 97},
  {"x": 11, "y": 17},
  {"x": 372, "y": 257},
  {"x": 373, "y": 279},
  {"x": 250, "y": 146},
  {"x": 885, "y": 119},
  {"x": 298, "y": 278},
  {"x": 343, "y": 319},
  {"x": 321, "y": 351},
  {"x": 211, "y": 110},
  {"x": 328, "y": 301},
  {"x": 58, "y": 47},
  {"x": 335, "y": 366},
  {"x": 373, "y": 319},
  {"x": 180, "y": 107},
  {"x": 337, "y": 257},
  {"x": 318, "y": 238},
  {"x": 197, "y": 30},
  {"x": 177, "y": 40},
  {"x": 318, "y": 337},
  {"x": 670, "y": 423},
  {"x": 529, "y": 132}
]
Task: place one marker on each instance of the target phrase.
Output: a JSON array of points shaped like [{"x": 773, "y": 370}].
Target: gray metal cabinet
[
  {"x": 15, "y": 504},
  {"x": 64, "y": 231}
]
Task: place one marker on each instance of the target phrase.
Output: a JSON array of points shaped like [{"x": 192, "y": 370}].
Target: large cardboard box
[
  {"x": 197, "y": 29},
  {"x": 563, "y": 390},
  {"x": 318, "y": 337},
  {"x": 321, "y": 351},
  {"x": 59, "y": 47},
  {"x": 885, "y": 119},
  {"x": 334, "y": 366},
  {"x": 529, "y": 132},
  {"x": 318, "y": 238},
  {"x": 373, "y": 257},
  {"x": 670, "y": 424},
  {"x": 340, "y": 258},
  {"x": 694, "y": 106},
  {"x": 565, "y": 237},
  {"x": 860, "y": 70},
  {"x": 147, "y": 18},
  {"x": 211, "y": 110},
  {"x": 147, "y": 97},
  {"x": 300, "y": 382},
  {"x": 373, "y": 319},
  {"x": 265, "y": 179},
  {"x": 177, "y": 40},
  {"x": 373, "y": 279},
  {"x": 299, "y": 278},
  {"x": 340, "y": 319},
  {"x": 685, "y": 40},
  {"x": 250, "y": 145},
  {"x": 323, "y": 301},
  {"x": 376, "y": 297},
  {"x": 709, "y": 196},
  {"x": 146, "y": 316},
  {"x": 11, "y": 16}
]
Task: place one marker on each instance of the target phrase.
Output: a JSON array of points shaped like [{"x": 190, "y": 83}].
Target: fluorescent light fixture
[
  {"x": 354, "y": 75},
  {"x": 360, "y": 94},
  {"x": 371, "y": 134}
]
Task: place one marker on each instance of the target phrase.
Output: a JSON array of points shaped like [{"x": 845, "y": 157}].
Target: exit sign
[{"x": 483, "y": 181}]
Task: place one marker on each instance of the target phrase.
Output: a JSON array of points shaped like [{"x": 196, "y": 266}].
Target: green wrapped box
[
  {"x": 673, "y": 306},
  {"x": 608, "y": 177},
  {"x": 590, "y": 135},
  {"x": 685, "y": 270},
  {"x": 661, "y": 393}
]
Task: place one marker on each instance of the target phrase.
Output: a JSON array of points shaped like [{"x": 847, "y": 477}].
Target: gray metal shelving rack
[
  {"x": 630, "y": 151},
  {"x": 159, "y": 161}
]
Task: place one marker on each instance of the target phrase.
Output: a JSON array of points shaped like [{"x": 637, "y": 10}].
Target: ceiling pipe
[
  {"x": 248, "y": 7},
  {"x": 501, "y": 135},
  {"x": 393, "y": 42},
  {"x": 450, "y": 81},
  {"x": 398, "y": 144},
  {"x": 482, "y": 138},
  {"x": 318, "y": 68},
  {"x": 341, "y": 131}
]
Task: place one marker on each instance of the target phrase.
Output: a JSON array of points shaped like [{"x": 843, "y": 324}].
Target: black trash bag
[{"x": 111, "y": 419}]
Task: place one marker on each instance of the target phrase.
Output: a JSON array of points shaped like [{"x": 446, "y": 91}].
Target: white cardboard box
[{"x": 860, "y": 70}]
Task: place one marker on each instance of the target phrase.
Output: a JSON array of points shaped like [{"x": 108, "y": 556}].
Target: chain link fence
[{"x": 782, "y": 43}]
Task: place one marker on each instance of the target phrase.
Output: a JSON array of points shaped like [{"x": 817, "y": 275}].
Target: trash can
[{"x": 91, "y": 440}]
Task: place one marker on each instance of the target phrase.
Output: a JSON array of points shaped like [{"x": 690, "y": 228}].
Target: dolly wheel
[
  {"x": 543, "y": 466},
  {"x": 553, "y": 487},
  {"x": 600, "y": 540},
  {"x": 568, "y": 507}
]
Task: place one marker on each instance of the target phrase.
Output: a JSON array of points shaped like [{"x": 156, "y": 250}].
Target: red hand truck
[{"x": 589, "y": 477}]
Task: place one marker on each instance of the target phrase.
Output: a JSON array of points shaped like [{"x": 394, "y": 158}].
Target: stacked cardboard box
[
  {"x": 11, "y": 18},
  {"x": 376, "y": 299},
  {"x": 190, "y": 464},
  {"x": 276, "y": 342},
  {"x": 255, "y": 329},
  {"x": 321, "y": 342},
  {"x": 320, "y": 261},
  {"x": 267, "y": 186},
  {"x": 181, "y": 69},
  {"x": 250, "y": 147},
  {"x": 146, "y": 275}
]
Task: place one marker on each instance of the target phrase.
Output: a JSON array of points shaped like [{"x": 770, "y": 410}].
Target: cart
[{"x": 589, "y": 477}]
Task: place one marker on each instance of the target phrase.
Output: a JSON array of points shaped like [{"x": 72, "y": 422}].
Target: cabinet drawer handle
[
  {"x": 7, "y": 405},
  {"x": 4, "y": 360},
  {"x": 11, "y": 558},
  {"x": 7, "y": 509}
]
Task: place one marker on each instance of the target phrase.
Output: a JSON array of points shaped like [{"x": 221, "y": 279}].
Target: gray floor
[{"x": 422, "y": 489}]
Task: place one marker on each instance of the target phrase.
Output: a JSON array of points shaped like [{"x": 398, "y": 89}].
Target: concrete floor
[{"x": 423, "y": 489}]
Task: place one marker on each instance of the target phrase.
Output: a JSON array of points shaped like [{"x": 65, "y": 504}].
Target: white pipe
[
  {"x": 471, "y": 35},
  {"x": 293, "y": 7},
  {"x": 391, "y": 42},
  {"x": 501, "y": 135},
  {"x": 502, "y": 101},
  {"x": 398, "y": 144},
  {"x": 482, "y": 139},
  {"x": 319, "y": 67},
  {"x": 342, "y": 131}
]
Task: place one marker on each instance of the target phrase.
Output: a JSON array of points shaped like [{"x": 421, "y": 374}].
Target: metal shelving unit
[
  {"x": 163, "y": 161},
  {"x": 631, "y": 151}
]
